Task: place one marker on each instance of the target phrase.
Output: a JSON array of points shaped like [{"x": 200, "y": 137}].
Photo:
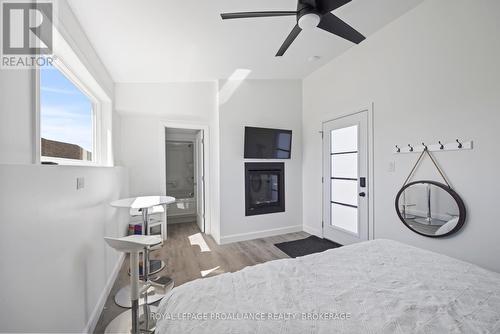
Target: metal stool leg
[
  {"x": 134, "y": 290},
  {"x": 145, "y": 265}
]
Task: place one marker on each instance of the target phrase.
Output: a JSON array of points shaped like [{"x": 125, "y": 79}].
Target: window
[{"x": 67, "y": 119}]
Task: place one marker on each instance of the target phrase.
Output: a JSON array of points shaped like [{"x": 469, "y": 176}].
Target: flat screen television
[{"x": 263, "y": 143}]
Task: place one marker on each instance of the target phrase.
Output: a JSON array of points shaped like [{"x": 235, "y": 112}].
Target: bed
[{"x": 378, "y": 286}]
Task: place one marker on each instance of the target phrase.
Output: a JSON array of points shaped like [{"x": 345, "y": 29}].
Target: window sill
[{"x": 54, "y": 162}]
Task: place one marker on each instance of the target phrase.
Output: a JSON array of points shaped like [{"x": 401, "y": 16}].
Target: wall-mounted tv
[{"x": 263, "y": 143}]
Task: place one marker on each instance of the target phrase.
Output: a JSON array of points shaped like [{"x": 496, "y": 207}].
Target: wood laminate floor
[{"x": 190, "y": 255}]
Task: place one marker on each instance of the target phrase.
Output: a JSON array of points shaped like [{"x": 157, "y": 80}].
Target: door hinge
[
  {"x": 322, "y": 224},
  {"x": 322, "y": 134},
  {"x": 322, "y": 180}
]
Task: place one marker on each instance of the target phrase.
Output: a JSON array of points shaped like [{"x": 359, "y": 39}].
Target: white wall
[
  {"x": 55, "y": 263},
  {"x": 16, "y": 117},
  {"x": 433, "y": 75},
  {"x": 260, "y": 103},
  {"x": 144, "y": 109},
  {"x": 56, "y": 267}
]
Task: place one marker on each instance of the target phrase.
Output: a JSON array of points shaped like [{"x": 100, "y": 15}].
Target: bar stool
[
  {"x": 130, "y": 320},
  {"x": 156, "y": 292},
  {"x": 122, "y": 297}
]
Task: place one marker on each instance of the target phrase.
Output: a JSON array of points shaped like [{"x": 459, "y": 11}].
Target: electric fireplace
[{"x": 264, "y": 188}]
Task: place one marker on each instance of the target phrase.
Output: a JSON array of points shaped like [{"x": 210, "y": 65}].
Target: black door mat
[{"x": 306, "y": 246}]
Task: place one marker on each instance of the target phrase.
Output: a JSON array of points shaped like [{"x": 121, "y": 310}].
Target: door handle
[{"x": 362, "y": 194}]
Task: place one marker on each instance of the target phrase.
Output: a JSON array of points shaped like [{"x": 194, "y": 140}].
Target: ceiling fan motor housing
[
  {"x": 308, "y": 21},
  {"x": 307, "y": 17}
]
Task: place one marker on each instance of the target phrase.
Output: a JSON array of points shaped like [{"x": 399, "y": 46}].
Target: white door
[
  {"x": 345, "y": 187},
  {"x": 200, "y": 180}
]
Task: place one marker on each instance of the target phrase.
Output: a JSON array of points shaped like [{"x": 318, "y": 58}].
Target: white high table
[{"x": 144, "y": 204}]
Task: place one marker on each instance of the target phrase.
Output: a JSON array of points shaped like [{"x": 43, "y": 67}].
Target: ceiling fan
[{"x": 310, "y": 14}]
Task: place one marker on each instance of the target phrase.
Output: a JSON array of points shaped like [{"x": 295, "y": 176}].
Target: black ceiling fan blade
[
  {"x": 244, "y": 15},
  {"x": 289, "y": 40},
  {"x": 325, "y": 6},
  {"x": 334, "y": 25},
  {"x": 312, "y": 3}
]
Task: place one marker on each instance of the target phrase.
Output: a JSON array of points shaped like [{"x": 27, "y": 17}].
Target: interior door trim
[{"x": 208, "y": 184}]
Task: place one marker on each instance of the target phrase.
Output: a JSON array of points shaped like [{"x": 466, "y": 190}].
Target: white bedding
[{"x": 378, "y": 286}]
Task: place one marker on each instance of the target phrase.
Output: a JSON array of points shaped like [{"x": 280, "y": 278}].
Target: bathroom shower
[
  {"x": 183, "y": 173},
  {"x": 180, "y": 169}
]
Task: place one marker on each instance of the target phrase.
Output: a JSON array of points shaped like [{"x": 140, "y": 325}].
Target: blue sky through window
[{"x": 65, "y": 112}]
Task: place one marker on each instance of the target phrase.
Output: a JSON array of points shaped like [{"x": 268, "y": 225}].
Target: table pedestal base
[
  {"x": 123, "y": 322},
  {"x": 122, "y": 298}
]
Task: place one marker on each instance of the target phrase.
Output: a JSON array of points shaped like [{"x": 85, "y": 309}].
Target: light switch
[
  {"x": 80, "y": 183},
  {"x": 392, "y": 167}
]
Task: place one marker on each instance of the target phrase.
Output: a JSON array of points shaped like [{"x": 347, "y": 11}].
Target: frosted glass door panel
[
  {"x": 345, "y": 165},
  {"x": 345, "y": 162},
  {"x": 345, "y": 217},
  {"x": 344, "y": 178},
  {"x": 345, "y": 139},
  {"x": 345, "y": 192}
]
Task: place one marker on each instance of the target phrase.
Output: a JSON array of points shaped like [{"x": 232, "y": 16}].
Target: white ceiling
[{"x": 167, "y": 41}]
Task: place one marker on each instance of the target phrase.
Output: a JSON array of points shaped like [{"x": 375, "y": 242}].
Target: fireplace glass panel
[{"x": 265, "y": 188}]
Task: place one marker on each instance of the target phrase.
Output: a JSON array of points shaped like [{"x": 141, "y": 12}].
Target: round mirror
[{"x": 430, "y": 208}]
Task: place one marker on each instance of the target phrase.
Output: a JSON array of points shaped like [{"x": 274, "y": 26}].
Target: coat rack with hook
[{"x": 440, "y": 146}]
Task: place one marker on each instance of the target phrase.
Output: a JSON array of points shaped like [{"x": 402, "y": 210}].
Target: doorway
[
  {"x": 185, "y": 175},
  {"x": 345, "y": 179}
]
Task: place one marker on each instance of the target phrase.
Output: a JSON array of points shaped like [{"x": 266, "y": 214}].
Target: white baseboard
[
  {"x": 94, "y": 317},
  {"x": 313, "y": 230},
  {"x": 259, "y": 234}
]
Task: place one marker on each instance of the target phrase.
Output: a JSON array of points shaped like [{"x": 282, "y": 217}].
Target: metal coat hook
[{"x": 438, "y": 146}]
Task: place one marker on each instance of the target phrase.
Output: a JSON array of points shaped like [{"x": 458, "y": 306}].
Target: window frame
[{"x": 96, "y": 119}]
